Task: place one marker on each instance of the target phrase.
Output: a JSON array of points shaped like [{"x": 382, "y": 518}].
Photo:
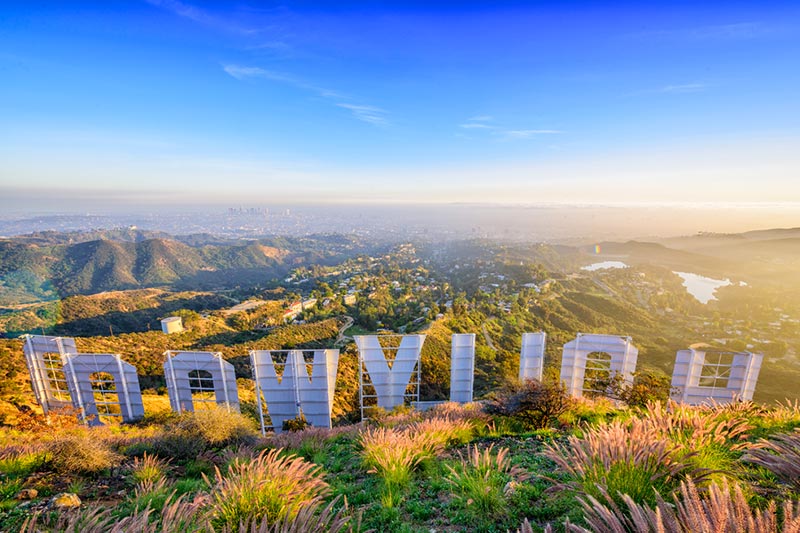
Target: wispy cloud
[
  {"x": 243, "y": 73},
  {"x": 527, "y": 134},
  {"x": 684, "y": 88},
  {"x": 365, "y": 113},
  {"x": 734, "y": 31},
  {"x": 200, "y": 16},
  {"x": 273, "y": 46},
  {"x": 484, "y": 123},
  {"x": 476, "y": 126}
]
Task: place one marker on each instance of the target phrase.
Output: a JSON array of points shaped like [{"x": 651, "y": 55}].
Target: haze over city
[{"x": 164, "y": 103}]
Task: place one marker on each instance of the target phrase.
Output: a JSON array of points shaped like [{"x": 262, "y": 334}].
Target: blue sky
[{"x": 516, "y": 102}]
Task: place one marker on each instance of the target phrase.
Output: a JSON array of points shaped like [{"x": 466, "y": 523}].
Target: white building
[{"x": 172, "y": 324}]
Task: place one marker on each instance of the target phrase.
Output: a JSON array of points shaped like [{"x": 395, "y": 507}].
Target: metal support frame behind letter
[
  {"x": 531, "y": 357},
  {"x": 80, "y": 367},
  {"x": 389, "y": 381},
  {"x": 462, "y": 367},
  {"x": 177, "y": 366},
  {"x": 575, "y": 356},
  {"x": 51, "y": 392},
  {"x": 741, "y": 376}
]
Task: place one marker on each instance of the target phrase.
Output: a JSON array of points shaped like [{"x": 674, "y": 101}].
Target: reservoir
[{"x": 701, "y": 287}]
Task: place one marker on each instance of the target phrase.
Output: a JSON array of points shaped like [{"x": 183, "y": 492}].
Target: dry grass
[
  {"x": 784, "y": 415},
  {"x": 630, "y": 458},
  {"x": 697, "y": 427},
  {"x": 310, "y": 440},
  {"x": 177, "y": 516},
  {"x": 394, "y": 452},
  {"x": 268, "y": 488},
  {"x": 443, "y": 432},
  {"x": 780, "y": 455},
  {"x": 149, "y": 468},
  {"x": 307, "y": 520},
  {"x": 468, "y": 412},
  {"x": 722, "y": 510},
  {"x": 82, "y": 451}
]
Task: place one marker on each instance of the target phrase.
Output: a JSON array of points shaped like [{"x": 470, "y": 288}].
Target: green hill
[{"x": 31, "y": 271}]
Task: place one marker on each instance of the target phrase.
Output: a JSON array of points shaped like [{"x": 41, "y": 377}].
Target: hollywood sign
[{"x": 291, "y": 383}]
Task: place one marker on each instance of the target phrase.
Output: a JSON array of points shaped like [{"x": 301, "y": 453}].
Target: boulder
[
  {"x": 66, "y": 501},
  {"x": 27, "y": 494}
]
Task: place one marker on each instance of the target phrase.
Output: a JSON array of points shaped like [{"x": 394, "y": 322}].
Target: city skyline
[{"x": 163, "y": 101}]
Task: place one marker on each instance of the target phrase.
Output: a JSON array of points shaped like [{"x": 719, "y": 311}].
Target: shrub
[
  {"x": 295, "y": 424},
  {"x": 190, "y": 434},
  {"x": 268, "y": 489},
  {"x": 537, "y": 404},
  {"x": 81, "y": 452},
  {"x": 647, "y": 387},
  {"x": 480, "y": 480},
  {"x": 60, "y": 419},
  {"x": 178, "y": 443}
]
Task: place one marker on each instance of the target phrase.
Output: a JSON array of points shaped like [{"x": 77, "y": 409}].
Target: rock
[
  {"x": 66, "y": 501},
  {"x": 27, "y": 494}
]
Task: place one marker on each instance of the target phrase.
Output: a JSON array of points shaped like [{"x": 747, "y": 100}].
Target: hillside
[
  {"x": 114, "y": 311},
  {"x": 35, "y": 270}
]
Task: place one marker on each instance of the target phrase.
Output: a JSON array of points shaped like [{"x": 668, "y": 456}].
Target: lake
[{"x": 701, "y": 287}]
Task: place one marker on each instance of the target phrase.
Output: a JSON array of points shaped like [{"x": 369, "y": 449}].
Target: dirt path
[
  {"x": 486, "y": 337},
  {"x": 340, "y": 339}
]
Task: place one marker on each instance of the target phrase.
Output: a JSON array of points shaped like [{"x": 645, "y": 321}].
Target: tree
[{"x": 535, "y": 403}]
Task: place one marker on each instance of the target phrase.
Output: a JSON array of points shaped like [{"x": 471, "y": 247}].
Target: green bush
[{"x": 299, "y": 423}]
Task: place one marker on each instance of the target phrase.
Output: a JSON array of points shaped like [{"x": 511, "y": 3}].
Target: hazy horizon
[{"x": 568, "y": 224}]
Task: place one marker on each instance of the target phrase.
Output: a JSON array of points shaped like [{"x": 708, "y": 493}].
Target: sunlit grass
[{"x": 270, "y": 487}]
